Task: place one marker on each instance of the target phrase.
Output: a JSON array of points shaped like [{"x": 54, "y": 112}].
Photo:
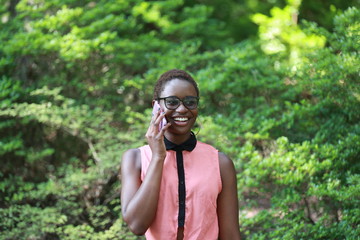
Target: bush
[
  {"x": 76, "y": 80},
  {"x": 297, "y": 132}
]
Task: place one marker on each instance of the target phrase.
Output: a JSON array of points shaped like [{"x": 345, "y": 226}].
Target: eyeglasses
[{"x": 173, "y": 102}]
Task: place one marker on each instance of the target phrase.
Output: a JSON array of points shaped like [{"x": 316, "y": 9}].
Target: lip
[{"x": 181, "y": 120}]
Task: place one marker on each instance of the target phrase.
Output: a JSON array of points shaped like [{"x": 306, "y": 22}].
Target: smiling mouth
[{"x": 181, "y": 119}]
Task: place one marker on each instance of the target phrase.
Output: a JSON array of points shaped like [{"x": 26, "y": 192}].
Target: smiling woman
[
  {"x": 182, "y": 118},
  {"x": 177, "y": 187}
]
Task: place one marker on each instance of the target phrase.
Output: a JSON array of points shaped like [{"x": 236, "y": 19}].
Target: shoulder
[
  {"x": 226, "y": 164},
  {"x": 224, "y": 159},
  {"x": 131, "y": 153},
  {"x": 132, "y": 157}
]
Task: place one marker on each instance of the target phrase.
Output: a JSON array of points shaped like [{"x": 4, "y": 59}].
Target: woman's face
[{"x": 182, "y": 119}]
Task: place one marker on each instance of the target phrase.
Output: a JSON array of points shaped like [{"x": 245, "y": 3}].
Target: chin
[{"x": 180, "y": 130}]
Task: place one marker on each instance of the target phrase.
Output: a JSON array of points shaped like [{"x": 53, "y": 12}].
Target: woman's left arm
[{"x": 227, "y": 203}]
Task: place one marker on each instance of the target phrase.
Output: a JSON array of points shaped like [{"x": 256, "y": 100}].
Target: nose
[{"x": 181, "y": 108}]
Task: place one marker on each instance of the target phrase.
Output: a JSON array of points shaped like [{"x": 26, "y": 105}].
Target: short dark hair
[{"x": 170, "y": 75}]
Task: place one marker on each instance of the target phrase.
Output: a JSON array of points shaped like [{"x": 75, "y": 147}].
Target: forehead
[{"x": 179, "y": 88}]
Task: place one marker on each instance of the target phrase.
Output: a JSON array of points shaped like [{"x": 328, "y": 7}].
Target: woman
[{"x": 177, "y": 187}]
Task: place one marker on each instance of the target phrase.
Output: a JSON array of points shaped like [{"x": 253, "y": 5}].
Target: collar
[{"x": 188, "y": 145}]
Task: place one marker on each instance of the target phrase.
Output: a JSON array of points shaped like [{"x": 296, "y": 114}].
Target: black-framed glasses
[{"x": 173, "y": 102}]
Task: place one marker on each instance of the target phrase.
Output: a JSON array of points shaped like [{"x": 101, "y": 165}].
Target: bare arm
[
  {"x": 228, "y": 210},
  {"x": 139, "y": 200}
]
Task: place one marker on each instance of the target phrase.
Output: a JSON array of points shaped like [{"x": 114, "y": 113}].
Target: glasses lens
[
  {"x": 172, "y": 102},
  {"x": 190, "y": 102}
]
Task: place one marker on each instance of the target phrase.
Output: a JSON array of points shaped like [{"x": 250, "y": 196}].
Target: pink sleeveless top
[{"x": 203, "y": 185}]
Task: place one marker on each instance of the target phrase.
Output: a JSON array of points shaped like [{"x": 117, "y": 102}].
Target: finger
[
  {"x": 155, "y": 126},
  {"x": 154, "y": 117},
  {"x": 152, "y": 125},
  {"x": 167, "y": 125},
  {"x": 155, "y": 123},
  {"x": 154, "y": 114},
  {"x": 159, "y": 118}
]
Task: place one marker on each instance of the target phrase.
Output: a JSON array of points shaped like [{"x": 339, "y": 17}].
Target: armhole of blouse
[
  {"x": 145, "y": 157},
  {"x": 141, "y": 152},
  {"x": 219, "y": 170}
]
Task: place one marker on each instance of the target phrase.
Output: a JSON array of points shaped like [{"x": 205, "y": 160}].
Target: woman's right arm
[{"x": 139, "y": 200}]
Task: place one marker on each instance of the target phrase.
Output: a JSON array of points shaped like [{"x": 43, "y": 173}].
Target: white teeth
[{"x": 181, "y": 119}]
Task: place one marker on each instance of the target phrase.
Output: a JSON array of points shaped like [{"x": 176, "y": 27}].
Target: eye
[
  {"x": 172, "y": 101},
  {"x": 190, "y": 102}
]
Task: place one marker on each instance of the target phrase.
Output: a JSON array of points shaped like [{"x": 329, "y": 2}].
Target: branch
[
  {"x": 93, "y": 152},
  {"x": 308, "y": 211}
]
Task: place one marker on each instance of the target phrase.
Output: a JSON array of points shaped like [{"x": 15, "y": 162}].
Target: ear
[{"x": 152, "y": 103}]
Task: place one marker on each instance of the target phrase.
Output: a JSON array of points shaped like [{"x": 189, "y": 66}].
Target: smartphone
[{"x": 155, "y": 110}]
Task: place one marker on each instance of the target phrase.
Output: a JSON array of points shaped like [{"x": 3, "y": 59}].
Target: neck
[{"x": 177, "y": 139}]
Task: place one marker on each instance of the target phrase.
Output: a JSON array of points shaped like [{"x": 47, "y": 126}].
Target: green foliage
[
  {"x": 76, "y": 86},
  {"x": 298, "y": 129}
]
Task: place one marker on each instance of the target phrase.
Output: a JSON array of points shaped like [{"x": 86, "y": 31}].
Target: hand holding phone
[{"x": 156, "y": 108}]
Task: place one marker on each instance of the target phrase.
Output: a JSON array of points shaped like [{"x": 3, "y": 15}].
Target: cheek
[
  {"x": 162, "y": 106},
  {"x": 168, "y": 112},
  {"x": 194, "y": 113}
]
